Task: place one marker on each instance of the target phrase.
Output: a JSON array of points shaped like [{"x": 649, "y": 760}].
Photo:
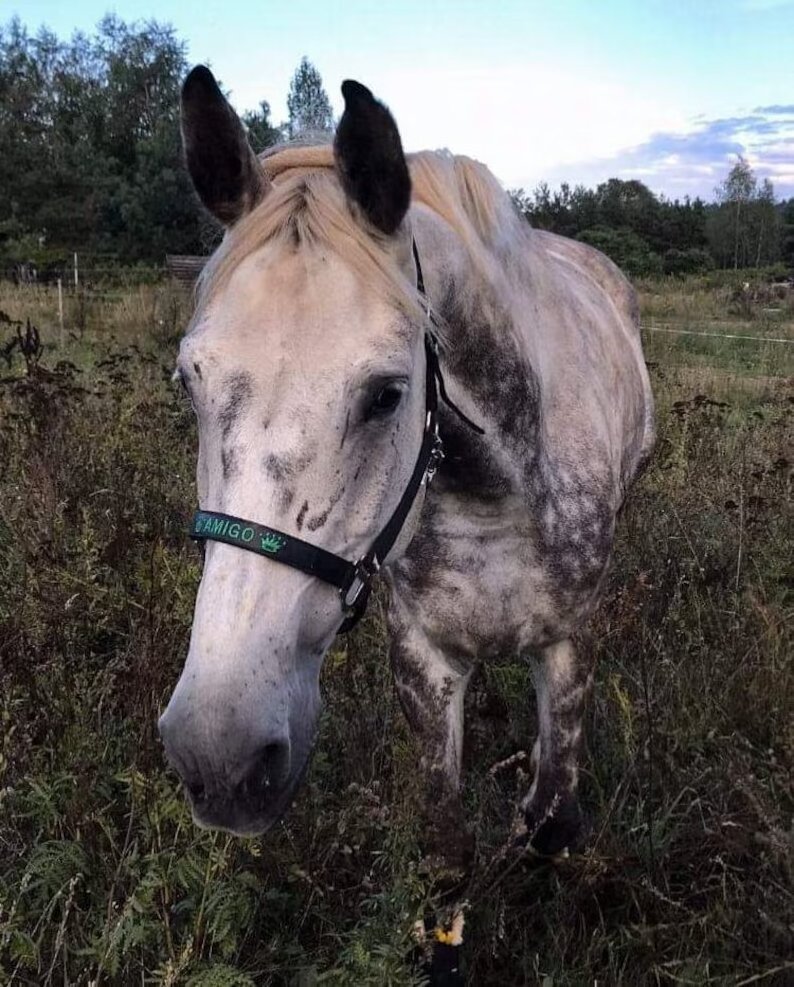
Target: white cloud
[
  {"x": 547, "y": 120},
  {"x": 693, "y": 161},
  {"x": 520, "y": 118}
]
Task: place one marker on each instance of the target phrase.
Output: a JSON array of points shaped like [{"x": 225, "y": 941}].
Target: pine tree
[
  {"x": 261, "y": 131},
  {"x": 307, "y": 102}
]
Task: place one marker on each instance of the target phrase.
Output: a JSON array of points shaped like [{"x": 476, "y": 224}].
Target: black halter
[{"x": 352, "y": 579}]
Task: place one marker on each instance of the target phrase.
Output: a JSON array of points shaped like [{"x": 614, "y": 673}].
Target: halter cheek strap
[{"x": 352, "y": 579}]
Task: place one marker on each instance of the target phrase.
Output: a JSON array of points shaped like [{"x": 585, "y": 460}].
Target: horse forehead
[{"x": 281, "y": 313}]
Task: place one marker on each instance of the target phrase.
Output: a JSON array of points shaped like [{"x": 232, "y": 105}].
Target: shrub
[
  {"x": 692, "y": 261},
  {"x": 627, "y": 249}
]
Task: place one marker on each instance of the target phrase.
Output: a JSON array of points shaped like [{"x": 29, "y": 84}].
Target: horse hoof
[
  {"x": 554, "y": 834},
  {"x": 444, "y": 967},
  {"x": 438, "y": 950}
]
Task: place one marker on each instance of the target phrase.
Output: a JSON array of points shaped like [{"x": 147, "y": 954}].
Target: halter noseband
[{"x": 352, "y": 579}]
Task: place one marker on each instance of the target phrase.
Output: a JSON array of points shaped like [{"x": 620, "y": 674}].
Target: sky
[{"x": 666, "y": 91}]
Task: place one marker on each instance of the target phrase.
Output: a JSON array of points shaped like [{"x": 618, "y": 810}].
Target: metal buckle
[
  {"x": 436, "y": 459},
  {"x": 365, "y": 572}
]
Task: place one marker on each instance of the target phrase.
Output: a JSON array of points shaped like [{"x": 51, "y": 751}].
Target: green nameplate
[{"x": 234, "y": 532}]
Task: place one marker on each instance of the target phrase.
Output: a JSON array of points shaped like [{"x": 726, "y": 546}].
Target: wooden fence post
[{"x": 60, "y": 307}]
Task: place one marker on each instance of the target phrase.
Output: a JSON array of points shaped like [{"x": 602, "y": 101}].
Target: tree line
[
  {"x": 90, "y": 159},
  {"x": 90, "y": 149},
  {"x": 648, "y": 234}
]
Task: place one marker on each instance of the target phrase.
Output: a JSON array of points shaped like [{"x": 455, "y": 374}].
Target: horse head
[{"x": 306, "y": 368}]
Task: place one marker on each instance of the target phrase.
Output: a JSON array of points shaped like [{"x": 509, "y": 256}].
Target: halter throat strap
[{"x": 352, "y": 579}]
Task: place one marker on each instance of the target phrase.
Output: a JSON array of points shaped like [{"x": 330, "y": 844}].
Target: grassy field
[{"x": 688, "y": 877}]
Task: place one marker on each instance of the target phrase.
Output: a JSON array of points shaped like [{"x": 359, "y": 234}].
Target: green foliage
[
  {"x": 691, "y": 261},
  {"x": 90, "y": 148},
  {"x": 104, "y": 877},
  {"x": 220, "y": 975},
  {"x": 628, "y": 250},
  {"x": 787, "y": 233},
  {"x": 90, "y": 159},
  {"x": 617, "y": 205},
  {"x": 89, "y": 142},
  {"x": 261, "y": 132},
  {"x": 744, "y": 228}
]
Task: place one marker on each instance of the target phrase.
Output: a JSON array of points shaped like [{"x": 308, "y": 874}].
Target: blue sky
[{"x": 576, "y": 90}]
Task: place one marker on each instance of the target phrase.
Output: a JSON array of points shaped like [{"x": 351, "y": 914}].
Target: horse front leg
[
  {"x": 552, "y": 817},
  {"x": 431, "y": 687}
]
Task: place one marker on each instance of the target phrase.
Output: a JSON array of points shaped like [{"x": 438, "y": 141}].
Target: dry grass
[
  {"x": 689, "y": 874},
  {"x": 724, "y": 297},
  {"x": 95, "y": 319}
]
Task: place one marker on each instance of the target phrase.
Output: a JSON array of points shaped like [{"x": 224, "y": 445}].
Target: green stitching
[
  {"x": 271, "y": 543},
  {"x": 213, "y": 527}
]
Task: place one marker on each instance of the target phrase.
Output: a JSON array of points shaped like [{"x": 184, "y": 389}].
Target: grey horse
[{"x": 307, "y": 366}]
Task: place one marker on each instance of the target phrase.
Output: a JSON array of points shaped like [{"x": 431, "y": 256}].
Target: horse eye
[{"x": 386, "y": 400}]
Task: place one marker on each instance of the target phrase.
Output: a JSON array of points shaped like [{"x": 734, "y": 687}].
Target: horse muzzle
[{"x": 243, "y": 789}]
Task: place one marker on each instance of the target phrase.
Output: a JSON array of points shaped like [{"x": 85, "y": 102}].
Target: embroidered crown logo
[{"x": 271, "y": 543}]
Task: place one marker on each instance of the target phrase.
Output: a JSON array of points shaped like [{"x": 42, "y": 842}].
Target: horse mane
[{"x": 306, "y": 205}]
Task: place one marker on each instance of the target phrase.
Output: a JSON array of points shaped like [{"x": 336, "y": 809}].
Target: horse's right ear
[
  {"x": 225, "y": 171},
  {"x": 370, "y": 160}
]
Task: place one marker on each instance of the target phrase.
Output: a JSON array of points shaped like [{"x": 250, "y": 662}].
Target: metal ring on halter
[{"x": 366, "y": 570}]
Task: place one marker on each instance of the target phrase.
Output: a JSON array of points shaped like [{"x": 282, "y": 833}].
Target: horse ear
[
  {"x": 369, "y": 157},
  {"x": 225, "y": 171}
]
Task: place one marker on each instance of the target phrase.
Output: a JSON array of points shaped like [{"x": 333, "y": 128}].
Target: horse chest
[{"x": 521, "y": 580}]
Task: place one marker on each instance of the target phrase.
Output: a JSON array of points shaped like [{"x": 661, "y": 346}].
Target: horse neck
[{"x": 486, "y": 363}]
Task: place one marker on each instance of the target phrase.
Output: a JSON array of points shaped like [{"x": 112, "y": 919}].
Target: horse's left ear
[
  {"x": 370, "y": 159},
  {"x": 225, "y": 171}
]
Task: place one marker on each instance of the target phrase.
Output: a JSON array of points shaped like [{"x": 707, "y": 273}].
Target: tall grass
[
  {"x": 688, "y": 877},
  {"x": 718, "y": 296}
]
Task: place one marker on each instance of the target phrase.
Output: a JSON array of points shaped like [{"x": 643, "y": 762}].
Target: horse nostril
[
  {"x": 275, "y": 758},
  {"x": 269, "y": 770},
  {"x": 196, "y": 790}
]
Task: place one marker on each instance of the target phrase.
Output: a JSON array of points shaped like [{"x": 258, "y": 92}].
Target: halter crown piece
[{"x": 352, "y": 579}]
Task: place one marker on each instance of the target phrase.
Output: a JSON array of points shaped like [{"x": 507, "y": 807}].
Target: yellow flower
[{"x": 454, "y": 935}]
